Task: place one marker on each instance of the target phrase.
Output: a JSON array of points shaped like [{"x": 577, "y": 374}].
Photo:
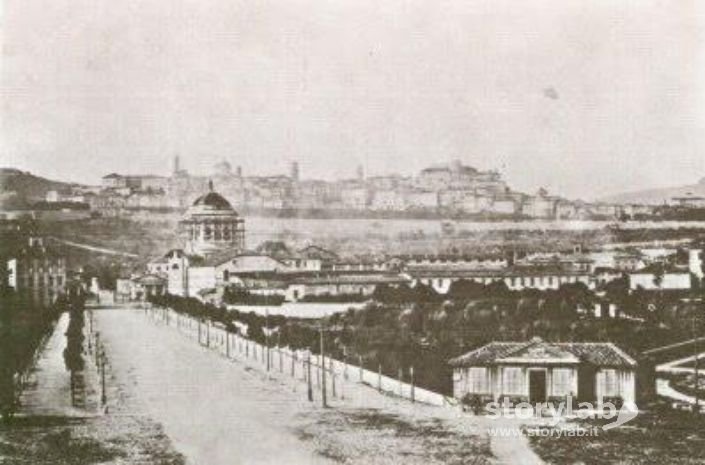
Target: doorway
[{"x": 537, "y": 386}]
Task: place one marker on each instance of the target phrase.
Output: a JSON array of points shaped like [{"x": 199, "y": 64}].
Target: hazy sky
[{"x": 584, "y": 97}]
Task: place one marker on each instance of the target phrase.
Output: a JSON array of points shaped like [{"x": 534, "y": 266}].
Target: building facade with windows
[
  {"x": 538, "y": 371},
  {"x": 211, "y": 225}
]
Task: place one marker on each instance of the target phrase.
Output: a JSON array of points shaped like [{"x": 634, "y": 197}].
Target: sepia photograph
[{"x": 309, "y": 232}]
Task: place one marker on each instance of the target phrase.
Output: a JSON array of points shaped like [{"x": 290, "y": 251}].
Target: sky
[{"x": 583, "y": 97}]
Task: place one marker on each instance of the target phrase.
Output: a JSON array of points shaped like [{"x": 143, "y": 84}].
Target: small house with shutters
[{"x": 538, "y": 371}]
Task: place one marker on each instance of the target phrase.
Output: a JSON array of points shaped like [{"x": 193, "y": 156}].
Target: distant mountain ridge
[
  {"x": 658, "y": 196},
  {"x": 20, "y": 188}
]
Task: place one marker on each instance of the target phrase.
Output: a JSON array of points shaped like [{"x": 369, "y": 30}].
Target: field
[
  {"x": 73, "y": 441},
  {"x": 658, "y": 435},
  {"x": 150, "y": 234}
]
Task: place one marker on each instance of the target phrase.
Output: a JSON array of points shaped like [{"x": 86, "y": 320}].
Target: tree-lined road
[
  {"x": 215, "y": 412},
  {"x": 220, "y": 411}
]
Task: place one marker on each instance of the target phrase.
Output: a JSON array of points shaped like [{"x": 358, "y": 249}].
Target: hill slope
[
  {"x": 658, "y": 196},
  {"x": 19, "y": 188}
]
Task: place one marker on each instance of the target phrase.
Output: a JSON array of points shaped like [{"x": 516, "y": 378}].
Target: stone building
[
  {"x": 31, "y": 268},
  {"x": 211, "y": 225}
]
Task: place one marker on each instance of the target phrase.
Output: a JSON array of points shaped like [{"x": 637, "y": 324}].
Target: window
[
  {"x": 513, "y": 381},
  {"x": 610, "y": 383},
  {"x": 478, "y": 381},
  {"x": 562, "y": 381}
]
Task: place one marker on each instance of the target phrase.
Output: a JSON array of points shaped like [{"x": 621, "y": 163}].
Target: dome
[
  {"x": 211, "y": 205},
  {"x": 213, "y": 200}
]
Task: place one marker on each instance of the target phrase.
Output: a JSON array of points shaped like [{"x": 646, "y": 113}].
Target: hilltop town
[{"x": 451, "y": 190}]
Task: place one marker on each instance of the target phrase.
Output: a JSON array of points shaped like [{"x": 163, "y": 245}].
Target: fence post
[
  {"x": 318, "y": 376},
  {"x": 308, "y": 377},
  {"x": 227, "y": 344},
  {"x": 379, "y": 377},
  {"x": 293, "y": 364},
  {"x": 360, "y": 367},
  {"x": 332, "y": 376},
  {"x": 411, "y": 375},
  {"x": 401, "y": 376}
]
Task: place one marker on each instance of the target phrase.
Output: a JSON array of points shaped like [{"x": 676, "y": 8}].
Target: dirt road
[{"x": 220, "y": 411}]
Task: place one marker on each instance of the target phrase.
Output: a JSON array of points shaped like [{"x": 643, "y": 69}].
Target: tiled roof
[
  {"x": 351, "y": 279},
  {"x": 151, "y": 280},
  {"x": 595, "y": 353},
  {"x": 493, "y": 273}
]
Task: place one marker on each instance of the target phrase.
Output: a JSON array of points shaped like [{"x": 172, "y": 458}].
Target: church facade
[
  {"x": 211, "y": 229},
  {"x": 211, "y": 225}
]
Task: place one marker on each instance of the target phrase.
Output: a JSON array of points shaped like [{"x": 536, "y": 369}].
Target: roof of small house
[
  {"x": 537, "y": 351},
  {"x": 151, "y": 280},
  {"x": 316, "y": 252},
  {"x": 233, "y": 255}
]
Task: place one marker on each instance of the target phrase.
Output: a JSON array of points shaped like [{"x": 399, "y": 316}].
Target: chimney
[
  {"x": 238, "y": 171},
  {"x": 176, "y": 164},
  {"x": 294, "y": 174}
]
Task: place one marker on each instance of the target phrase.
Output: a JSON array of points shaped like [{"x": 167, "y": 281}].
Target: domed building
[{"x": 212, "y": 225}]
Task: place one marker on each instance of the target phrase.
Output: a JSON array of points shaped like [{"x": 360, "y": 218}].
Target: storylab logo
[{"x": 565, "y": 409}]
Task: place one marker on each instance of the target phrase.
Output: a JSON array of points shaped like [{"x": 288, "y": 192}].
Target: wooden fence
[{"x": 292, "y": 362}]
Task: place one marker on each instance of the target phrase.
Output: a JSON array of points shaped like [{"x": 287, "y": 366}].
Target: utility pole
[{"x": 324, "y": 400}]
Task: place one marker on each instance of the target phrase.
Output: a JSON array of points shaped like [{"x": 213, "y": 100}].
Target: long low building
[
  {"x": 362, "y": 285},
  {"x": 515, "y": 278}
]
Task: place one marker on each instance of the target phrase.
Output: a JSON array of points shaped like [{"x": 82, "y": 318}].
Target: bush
[
  {"x": 476, "y": 402},
  {"x": 617, "y": 401},
  {"x": 328, "y": 298},
  {"x": 236, "y": 296}
]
